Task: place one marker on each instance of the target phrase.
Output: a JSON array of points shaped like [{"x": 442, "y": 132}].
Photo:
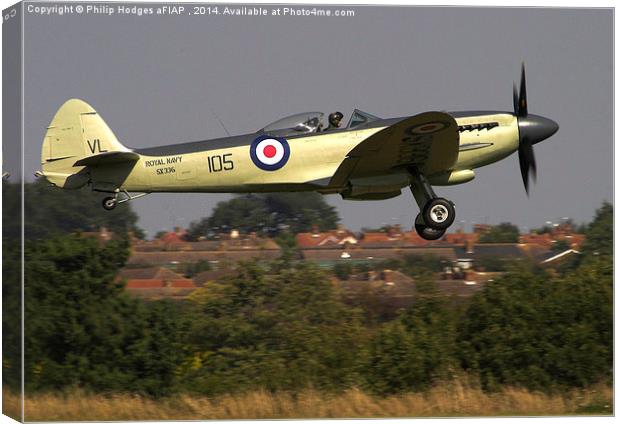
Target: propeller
[{"x": 527, "y": 161}]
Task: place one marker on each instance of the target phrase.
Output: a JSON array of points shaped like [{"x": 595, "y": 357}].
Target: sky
[{"x": 160, "y": 80}]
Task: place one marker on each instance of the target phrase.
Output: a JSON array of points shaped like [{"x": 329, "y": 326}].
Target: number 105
[{"x": 219, "y": 163}]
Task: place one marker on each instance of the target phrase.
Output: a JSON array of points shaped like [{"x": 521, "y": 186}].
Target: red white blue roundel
[{"x": 270, "y": 153}]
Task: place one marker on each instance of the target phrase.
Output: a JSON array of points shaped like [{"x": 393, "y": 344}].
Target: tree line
[{"x": 285, "y": 326}]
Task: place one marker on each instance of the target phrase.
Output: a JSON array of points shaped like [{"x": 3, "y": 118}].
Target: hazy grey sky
[{"x": 163, "y": 79}]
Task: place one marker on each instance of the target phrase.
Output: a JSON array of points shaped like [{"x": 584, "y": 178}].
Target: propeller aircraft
[{"x": 368, "y": 159}]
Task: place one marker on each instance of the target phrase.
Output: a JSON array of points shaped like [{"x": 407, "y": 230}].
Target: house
[
  {"x": 556, "y": 258},
  {"x": 172, "y": 249},
  {"x": 339, "y": 237},
  {"x": 155, "y": 282}
]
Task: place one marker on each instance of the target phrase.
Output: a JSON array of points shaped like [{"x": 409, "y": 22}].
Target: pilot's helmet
[{"x": 335, "y": 118}]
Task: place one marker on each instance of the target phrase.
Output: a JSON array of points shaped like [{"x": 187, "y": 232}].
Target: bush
[
  {"x": 412, "y": 352},
  {"x": 281, "y": 330},
  {"x": 527, "y": 330}
]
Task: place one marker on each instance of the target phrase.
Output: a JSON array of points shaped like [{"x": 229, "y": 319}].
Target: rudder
[{"x": 76, "y": 132}]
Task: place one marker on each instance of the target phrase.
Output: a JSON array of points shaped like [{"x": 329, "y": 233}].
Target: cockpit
[
  {"x": 298, "y": 124},
  {"x": 312, "y": 122}
]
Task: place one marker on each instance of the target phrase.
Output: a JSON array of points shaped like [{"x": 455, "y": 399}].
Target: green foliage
[
  {"x": 190, "y": 269},
  {"x": 288, "y": 244},
  {"x": 160, "y": 234},
  {"x": 560, "y": 246},
  {"x": 492, "y": 263},
  {"x": 525, "y": 329},
  {"x": 502, "y": 233},
  {"x": 82, "y": 330},
  {"x": 267, "y": 214},
  {"x": 600, "y": 233},
  {"x": 49, "y": 211},
  {"x": 409, "y": 354},
  {"x": 414, "y": 265},
  {"x": 11, "y": 312},
  {"x": 280, "y": 331},
  {"x": 281, "y": 326},
  {"x": 343, "y": 270}
]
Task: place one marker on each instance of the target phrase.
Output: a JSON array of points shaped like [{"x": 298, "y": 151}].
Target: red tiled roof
[
  {"x": 192, "y": 256},
  {"x": 404, "y": 239},
  {"x": 152, "y": 273},
  {"x": 172, "y": 238},
  {"x": 182, "y": 283},
  {"x": 144, "y": 284}
]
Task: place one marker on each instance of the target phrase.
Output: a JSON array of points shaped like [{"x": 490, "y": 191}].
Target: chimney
[{"x": 315, "y": 230}]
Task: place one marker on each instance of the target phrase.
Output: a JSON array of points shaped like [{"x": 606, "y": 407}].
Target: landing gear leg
[
  {"x": 436, "y": 213},
  {"x": 110, "y": 203}
]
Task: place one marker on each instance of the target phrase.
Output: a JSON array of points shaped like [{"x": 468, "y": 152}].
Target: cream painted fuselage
[{"x": 225, "y": 165}]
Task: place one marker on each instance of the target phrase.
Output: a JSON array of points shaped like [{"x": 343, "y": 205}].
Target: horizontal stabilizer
[{"x": 107, "y": 157}]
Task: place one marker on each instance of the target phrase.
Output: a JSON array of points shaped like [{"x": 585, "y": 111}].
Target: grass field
[{"x": 447, "y": 400}]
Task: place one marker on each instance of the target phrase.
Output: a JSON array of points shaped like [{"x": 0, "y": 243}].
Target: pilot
[{"x": 334, "y": 121}]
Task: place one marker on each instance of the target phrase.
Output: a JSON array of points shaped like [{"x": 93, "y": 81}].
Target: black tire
[
  {"x": 108, "y": 203},
  {"x": 426, "y": 232},
  {"x": 439, "y": 213}
]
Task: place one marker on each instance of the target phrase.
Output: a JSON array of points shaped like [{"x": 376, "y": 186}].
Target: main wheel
[
  {"x": 426, "y": 232},
  {"x": 109, "y": 203},
  {"x": 439, "y": 213}
]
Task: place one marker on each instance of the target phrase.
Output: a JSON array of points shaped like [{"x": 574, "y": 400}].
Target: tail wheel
[
  {"x": 439, "y": 213},
  {"x": 109, "y": 203},
  {"x": 426, "y": 232}
]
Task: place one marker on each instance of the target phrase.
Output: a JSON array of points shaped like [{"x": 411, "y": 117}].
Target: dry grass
[{"x": 453, "y": 399}]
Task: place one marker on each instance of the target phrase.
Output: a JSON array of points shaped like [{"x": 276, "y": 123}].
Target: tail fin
[{"x": 76, "y": 133}]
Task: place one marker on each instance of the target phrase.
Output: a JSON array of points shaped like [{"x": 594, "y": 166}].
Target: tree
[
  {"x": 81, "y": 328},
  {"x": 343, "y": 270},
  {"x": 502, "y": 233},
  {"x": 190, "y": 269},
  {"x": 11, "y": 312},
  {"x": 283, "y": 330},
  {"x": 269, "y": 214},
  {"x": 560, "y": 246},
  {"x": 600, "y": 233},
  {"x": 528, "y": 330},
  {"x": 50, "y": 210},
  {"x": 409, "y": 354}
]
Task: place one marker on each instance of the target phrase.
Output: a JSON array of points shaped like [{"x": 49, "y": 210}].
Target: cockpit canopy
[
  {"x": 298, "y": 124},
  {"x": 359, "y": 118},
  {"x": 312, "y": 122}
]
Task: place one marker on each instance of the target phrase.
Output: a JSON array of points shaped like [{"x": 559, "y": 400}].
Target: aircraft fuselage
[{"x": 225, "y": 165}]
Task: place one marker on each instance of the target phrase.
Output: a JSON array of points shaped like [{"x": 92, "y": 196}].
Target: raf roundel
[{"x": 270, "y": 153}]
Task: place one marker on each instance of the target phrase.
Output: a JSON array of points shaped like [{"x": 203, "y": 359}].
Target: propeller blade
[
  {"x": 524, "y": 170},
  {"x": 527, "y": 162},
  {"x": 515, "y": 99},
  {"x": 522, "y": 94}
]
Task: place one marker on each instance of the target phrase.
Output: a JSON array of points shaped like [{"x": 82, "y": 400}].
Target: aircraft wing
[
  {"x": 428, "y": 141},
  {"x": 107, "y": 157}
]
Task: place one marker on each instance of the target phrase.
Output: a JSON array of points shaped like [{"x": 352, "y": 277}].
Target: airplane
[{"x": 368, "y": 159}]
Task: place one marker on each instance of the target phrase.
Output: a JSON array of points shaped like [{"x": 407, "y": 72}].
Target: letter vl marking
[{"x": 96, "y": 146}]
